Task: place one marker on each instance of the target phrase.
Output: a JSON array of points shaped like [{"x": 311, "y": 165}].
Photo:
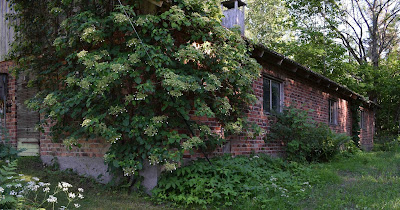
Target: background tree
[
  {"x": 267, "y": 22},
  {"x": 367, "y": 28},
  {"x": 353, "y": 42},
  {"x": 136, "y": 82}
]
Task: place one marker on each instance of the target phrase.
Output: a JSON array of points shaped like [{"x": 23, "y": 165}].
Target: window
[
  {"x": 333, "y": 112},
  {"x": 272, "y": 95},
  {"x": 362, "y": 119},
  {"x": 3, "y": 98}
]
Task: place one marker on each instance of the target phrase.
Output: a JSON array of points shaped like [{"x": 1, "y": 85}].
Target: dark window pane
[
  {"x": 333, "y": 109},
  {"x": 266, "y": 95},
  {"x": 275, "y": 91}
]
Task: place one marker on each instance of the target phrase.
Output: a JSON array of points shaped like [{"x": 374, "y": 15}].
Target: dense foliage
[
  {"x": 243, "y": 181},
  {"x": 353, "y": 42},
  {"x": 137, "y": 86},
  {"x": 306, "y": 140},
  {"x": 7, "y": 151}
]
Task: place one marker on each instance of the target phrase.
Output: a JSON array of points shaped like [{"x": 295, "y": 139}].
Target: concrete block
[
  {"x": 151, "y": 174},
  {"x": 87, "y": 166}
]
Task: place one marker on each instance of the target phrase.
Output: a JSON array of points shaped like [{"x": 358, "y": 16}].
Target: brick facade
[
  {"x": 88, "y": 148},
  {"x": 297, "y": 91},
  {"x": 11, "y": 106}
]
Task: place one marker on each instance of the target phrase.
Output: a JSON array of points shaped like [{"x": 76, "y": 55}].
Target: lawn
[{"x": 363, "y": 181}]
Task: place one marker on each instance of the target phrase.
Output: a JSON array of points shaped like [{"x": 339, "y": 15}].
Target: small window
[
  {"x": 272, "y": 95},
  {"x": 362, "y": 119},
  {"x": 3, "y": 98},
  {"x": 333, "y": 112}
]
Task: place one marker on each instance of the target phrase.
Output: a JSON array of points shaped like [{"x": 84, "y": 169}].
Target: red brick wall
[
  {"x": 11, "y": 116},
  {"x": 367, "y": 133},
  {"x": 89, "y": 148},
  {"x": 299, "y": 92}
]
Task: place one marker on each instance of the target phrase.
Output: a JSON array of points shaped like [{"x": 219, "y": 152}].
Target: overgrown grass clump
[{"x": 258, "y": 180}]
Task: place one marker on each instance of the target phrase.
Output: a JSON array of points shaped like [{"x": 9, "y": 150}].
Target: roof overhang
[{"x": 279, "y": 60}]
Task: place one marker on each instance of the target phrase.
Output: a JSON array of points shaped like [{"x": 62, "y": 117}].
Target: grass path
[{"x": 365, "y": 181}]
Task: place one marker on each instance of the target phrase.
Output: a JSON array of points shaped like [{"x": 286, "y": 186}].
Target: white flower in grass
[
  {"x": 80, "y": 196},
  {"x": 8, "y": 186},
  {"x": 18, "y": 185},
  {"x": 20, "y": 175},
  {"x": 35, "y": 178},
  {"x": 22, "y": 180},
  {"x": 46, "y": 190},
  {"x": 10, "y": 177},
  {"x": 66, "y": 185},
  {"x": 33, "y": 187},
  {"x": 52, "y": 199},
  {"x": 20, "y": 196},
  {"x": 63, "y": 207},
  {"x": 46, "y": 184},
  {"x": 31, "y": 183},
  {"x": 41, "y": 184},
  {"x": 59, "y": 185},
  {"x": 65, "y": 189},
  {"x": 77, "y": 205},
  {"x": 80, "y": 189},
  {"x": 71, "y": 195},
  {"x": 13, "y": 192},
  {"x": 1, "y": 190}
]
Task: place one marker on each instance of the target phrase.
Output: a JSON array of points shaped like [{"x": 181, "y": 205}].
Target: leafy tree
[
  {"x": 267, "y": 22},
  {"x": 367, "y": 28},
  {"x": 133, "y": 78},
  {"x": 388, "y": 116}
]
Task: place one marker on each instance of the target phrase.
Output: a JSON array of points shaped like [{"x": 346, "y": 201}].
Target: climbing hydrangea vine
[{"x": 139, "y": 92}]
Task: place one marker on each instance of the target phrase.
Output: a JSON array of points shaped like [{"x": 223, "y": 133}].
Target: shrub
[
  {"x": 258, "y": 181},
  {"x": 305, "y": 140},
  {"x": 387, "y": 143}
]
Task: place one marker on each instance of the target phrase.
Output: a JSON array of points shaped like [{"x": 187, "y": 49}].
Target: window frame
[
  {"x": 281, "y": 94},
  {"x": 333, "y": 113},
  {"x": 362, "y": 119},
  {"x": 3, "y": 97}
]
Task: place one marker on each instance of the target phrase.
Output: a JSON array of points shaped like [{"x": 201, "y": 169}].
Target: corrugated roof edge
[{"x": 332, "y": 83}]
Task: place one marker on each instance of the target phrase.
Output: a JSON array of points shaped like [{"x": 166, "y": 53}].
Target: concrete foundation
[
  {"x": 94, "y": 167},
  {"x": 151, "y": 174},
  {"x": 87, "y": 166}
]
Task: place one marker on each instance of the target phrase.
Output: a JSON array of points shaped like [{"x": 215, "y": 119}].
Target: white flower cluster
[
  {"x": 19, "y": 188},
  {"x": 129, "y": 171},
  {"x": 170, "y": 166}
]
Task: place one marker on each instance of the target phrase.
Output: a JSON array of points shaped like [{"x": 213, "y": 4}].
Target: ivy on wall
[
  {"x": 139, "y": 92},
  {"x": 355, "y": 119}
]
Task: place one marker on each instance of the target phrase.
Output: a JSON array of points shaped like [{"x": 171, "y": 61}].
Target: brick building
[{"x": 283, "y": 82}]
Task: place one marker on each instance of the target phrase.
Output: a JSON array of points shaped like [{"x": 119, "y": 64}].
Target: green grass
[
  {"x": 364, "y": 181},
  {"x": 97, "y": 196}
]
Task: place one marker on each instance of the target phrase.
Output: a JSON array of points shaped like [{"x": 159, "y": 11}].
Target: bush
[
  {"x": 306, "y": 140},
  {"x": 241, "y": 181},
  {"x": 387, "y": 143}
]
